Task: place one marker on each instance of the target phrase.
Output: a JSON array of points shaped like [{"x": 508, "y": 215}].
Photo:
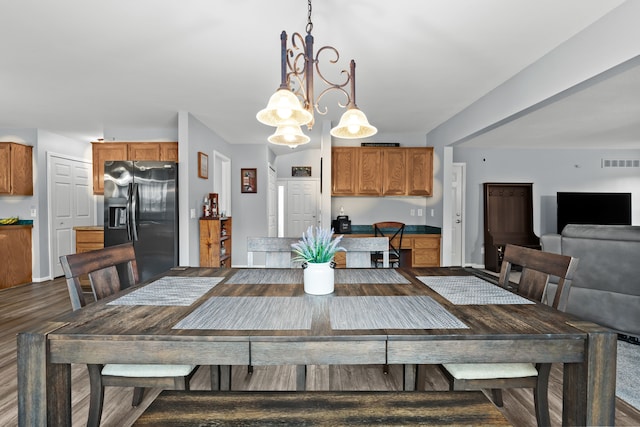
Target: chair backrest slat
[
  {"x": 278, "y": 252},
  {"x": 101, "y": 267},
  {"x": 359, "y": 250},
  {"x": 537, "y": 269}
]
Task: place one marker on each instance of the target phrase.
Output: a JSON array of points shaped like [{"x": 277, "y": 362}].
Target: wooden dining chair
[
  {"x": 394, "y": 231},
  {"x": 360, "y": 249},
  {"x": 102, "y": 268},
  {"x": 277, "y": 251},
  {"x": 537, "y": 268}
]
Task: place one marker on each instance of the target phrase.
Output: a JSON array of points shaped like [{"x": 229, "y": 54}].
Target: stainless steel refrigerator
[{"x": 141, "y": 206}]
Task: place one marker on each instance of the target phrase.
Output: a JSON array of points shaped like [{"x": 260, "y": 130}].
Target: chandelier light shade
[
  {"x": 353, "y": 124},
  {"x": 294, "y": 104},
  {"x": 284, "y": 105},
  {"x": 289, "y": 133}
]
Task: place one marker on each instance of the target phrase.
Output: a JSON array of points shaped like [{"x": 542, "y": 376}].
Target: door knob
[{"x": 458, "y": 221}]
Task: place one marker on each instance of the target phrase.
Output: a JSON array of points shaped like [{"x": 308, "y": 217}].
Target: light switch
[
  {"x": 193, "y": 213},
  {"x": 33, "y": 212}
]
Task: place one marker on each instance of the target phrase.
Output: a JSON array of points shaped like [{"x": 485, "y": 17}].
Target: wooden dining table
[{"x": 224, "y": 317}]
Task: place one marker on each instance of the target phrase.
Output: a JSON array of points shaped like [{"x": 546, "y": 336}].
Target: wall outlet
[
  {"x": 433, "y": 212},
  {"x": 33, "y": 212},
  {"x": 419, "y": 212},
  {"x": 412, "y": 212},
  {"x": 193, "y": 213}
]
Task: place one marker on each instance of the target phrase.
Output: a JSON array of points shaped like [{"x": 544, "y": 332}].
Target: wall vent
[{"x": 620, "y": 163}]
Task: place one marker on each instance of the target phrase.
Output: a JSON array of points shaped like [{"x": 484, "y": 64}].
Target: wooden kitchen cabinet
[
  {"x": 420, "y": 167},
  {"x": 88, "y": 238},
  {"x": 153, "y": 151},
  {"x": 344, "y": 171},
  {"x": 369, "y": 171},
  {"x": 15, "y": 253},
  {"x": 215, "y": 242},
  {"x": 16, "y": 169},
  {"x": 382, "y": 171},
  {"x": 394, "y": 171},
  {"x": 425, "y": 250}
]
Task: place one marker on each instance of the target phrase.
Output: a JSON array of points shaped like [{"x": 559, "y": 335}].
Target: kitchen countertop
[
  {"x": 88, "y": 228},
  {"x": 408, "y": 229},
  {"x": 21, "y": 222}
]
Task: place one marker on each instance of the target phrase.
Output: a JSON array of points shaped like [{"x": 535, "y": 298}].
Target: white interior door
[
  {"x": 457, "y": 212},
  {"x": 70, "y": 205},
  {"x": 302, "y": 206},
  {"x": 222, "y": 181}
]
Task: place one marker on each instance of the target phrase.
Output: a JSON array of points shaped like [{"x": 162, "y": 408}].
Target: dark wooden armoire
[{"x": 508, "y": 218}]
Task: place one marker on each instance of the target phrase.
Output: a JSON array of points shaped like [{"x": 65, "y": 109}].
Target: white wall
[
  {"x": 43, "y": 142},
  {"x": 550, "y": 171},
  {"x": 194, "y": 137}
]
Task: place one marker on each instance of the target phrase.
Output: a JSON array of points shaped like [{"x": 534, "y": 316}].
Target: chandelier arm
[{"x": 327, "y": 90}]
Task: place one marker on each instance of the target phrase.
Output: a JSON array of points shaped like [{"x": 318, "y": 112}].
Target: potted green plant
[{"x": 317, "y": 250}]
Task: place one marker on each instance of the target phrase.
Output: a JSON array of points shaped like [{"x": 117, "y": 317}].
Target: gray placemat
[
  {"x": 250, "y": 313},
  {"x": 399, "y": 312},
  {"x": 179, "y": 291},
  {"x": 471, "y": 290},
  {"x": 295, "y": 276}
]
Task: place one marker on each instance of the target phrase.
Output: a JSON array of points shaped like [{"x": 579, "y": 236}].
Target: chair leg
[
  {"x": 541, "y": 395},
  {"x": 138, "y": 395},
  {"x": 96, "y": 395},
  {"x": 496, "y": 397},
  {"x": 385, "y": 369}
]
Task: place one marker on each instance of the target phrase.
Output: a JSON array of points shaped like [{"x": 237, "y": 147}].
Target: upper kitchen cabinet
[
  {"x": 382, "y": 171},
  {"x": 103, "y": 151},
  {"x": 369, "y": 176},
  {"x": 394, "y": 170},
  {"x": 420, "y": 177},
  {"x": 16, "y": 169},
  {"x": 344, "y": 171}
]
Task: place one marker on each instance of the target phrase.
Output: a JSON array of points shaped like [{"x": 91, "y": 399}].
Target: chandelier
[{"x": 293, "y": 104}]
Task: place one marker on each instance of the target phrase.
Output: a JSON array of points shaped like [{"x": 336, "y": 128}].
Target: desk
[{"x": 108, "y": 333}]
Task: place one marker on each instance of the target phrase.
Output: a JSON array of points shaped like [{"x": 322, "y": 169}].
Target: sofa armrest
[{"x": 551, "y": 243}]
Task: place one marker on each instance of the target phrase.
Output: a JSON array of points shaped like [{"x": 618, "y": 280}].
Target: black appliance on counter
[{"x": 341, "y": 225}]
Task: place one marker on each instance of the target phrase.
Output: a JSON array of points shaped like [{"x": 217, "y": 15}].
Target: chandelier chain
[{"x": 309, "y": 23}]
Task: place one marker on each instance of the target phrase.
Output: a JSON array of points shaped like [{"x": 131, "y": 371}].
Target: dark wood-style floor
[{"x": 28, "y": 305}]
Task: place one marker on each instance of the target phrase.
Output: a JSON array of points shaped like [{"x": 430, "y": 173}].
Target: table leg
[
  {"x": 301, "y": 377},
  {"x": 589, "y": 392},
  {"x": 225, "y": 377},
  {"x": 409, "y": 377},
  {"x": 44, "y": 389}
]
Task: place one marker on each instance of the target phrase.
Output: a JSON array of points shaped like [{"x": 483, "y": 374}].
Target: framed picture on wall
[
  {"x": 249, "y": 180},
  {"x": 300, "y": 170},
  {"x": 203, "y": 165}
]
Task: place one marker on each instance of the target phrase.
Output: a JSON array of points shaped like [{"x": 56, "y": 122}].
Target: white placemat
[
  {"x": 471, "y": 290},
  {"x": 178, "y": 291},
  {"x": 250, "y": 313},
  {"x": 383, "y": 312}
]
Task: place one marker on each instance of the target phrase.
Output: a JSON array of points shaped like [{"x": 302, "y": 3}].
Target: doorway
[
  {"x": 458, "y": 190},
  {"x": 70, "y": 205},
  {"x": 300, "y": 205},
  {"x": 222, "y": 181}
]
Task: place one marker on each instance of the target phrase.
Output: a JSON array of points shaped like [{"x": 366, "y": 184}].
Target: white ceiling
[{"x": 78, "y": 67}]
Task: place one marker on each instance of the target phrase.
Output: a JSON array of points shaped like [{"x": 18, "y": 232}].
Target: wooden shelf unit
[{"x": 215, "y": 242}]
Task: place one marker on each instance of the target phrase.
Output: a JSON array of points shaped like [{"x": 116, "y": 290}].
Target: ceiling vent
[{"x": 620, "y": 163}]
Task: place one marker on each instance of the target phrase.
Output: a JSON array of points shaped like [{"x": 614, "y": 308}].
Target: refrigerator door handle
[
  {"x": 134, "y": 212},
  {"x": 128, "y": 211}
]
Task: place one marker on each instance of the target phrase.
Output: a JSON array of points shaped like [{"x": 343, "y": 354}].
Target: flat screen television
[{"x": 593, "y": 208}]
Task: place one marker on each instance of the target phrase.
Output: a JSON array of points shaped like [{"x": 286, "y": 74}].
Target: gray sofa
[{"x": 606, "y": 286}]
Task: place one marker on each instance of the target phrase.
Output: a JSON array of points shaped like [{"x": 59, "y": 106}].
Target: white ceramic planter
[{"x": 318, "y": 278}]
